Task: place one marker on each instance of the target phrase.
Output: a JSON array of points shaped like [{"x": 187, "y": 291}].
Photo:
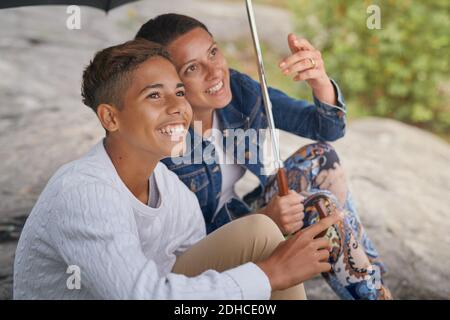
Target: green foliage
[{"x": 399, "y": 71}]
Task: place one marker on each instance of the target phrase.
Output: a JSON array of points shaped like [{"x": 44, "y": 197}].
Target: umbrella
[
  {"x": 283, "y": 188},
  {"x": 105, "y": 5}
]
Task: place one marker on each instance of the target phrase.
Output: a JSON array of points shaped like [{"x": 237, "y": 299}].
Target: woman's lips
[{"x": 215, "y": 89}]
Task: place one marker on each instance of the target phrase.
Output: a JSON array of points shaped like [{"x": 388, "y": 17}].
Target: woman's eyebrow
[
  {"x": 212, "y": 45},
  {"x": 207, "y": 51}
]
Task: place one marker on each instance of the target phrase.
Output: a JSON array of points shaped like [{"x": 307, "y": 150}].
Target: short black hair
[
  {"x": 108, "y": 75},
  {"x": 168, "y": 27}
]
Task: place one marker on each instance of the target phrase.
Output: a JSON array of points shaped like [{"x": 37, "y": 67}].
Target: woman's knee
[{"x": 323, "y": 151}]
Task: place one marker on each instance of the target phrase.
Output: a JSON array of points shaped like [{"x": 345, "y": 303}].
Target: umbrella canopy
[{"x": 105, "y": 5}]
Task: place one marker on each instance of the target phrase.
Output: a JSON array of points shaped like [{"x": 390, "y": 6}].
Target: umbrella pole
[{"x": 283, "y": 187}]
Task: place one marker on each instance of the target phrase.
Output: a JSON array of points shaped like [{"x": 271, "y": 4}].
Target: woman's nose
[{"x": 214, "y": 71}]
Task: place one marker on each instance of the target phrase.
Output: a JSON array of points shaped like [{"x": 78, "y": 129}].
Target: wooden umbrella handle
[{"x": 283, "y": 187}]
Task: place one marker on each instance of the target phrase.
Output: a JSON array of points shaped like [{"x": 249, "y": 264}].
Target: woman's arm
[{"x": 317, "y": 121}]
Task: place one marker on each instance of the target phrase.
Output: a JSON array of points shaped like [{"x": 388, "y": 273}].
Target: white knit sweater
[{"x": 86, "y": 217}]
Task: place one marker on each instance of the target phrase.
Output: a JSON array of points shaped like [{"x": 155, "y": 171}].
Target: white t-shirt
[
  {"x": 231, "y": 172},
  {"x": 120, "y": 248}
]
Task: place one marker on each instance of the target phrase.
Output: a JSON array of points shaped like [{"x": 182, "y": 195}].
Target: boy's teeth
[
  {"x": 172, "y": 130},
  {"x": 216, "y": 88}
]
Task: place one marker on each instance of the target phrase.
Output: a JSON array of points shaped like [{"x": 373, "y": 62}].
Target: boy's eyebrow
[
  {"x": 209, "y": 49},
  {"x": 159, "y": 85},
  {"x": 151, "y": 86}
]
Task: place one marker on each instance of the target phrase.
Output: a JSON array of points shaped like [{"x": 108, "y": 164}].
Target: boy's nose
[{"x": 177, "y": 106}]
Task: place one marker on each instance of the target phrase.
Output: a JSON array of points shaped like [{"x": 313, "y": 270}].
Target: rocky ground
[{"x": 399, "y": 174}]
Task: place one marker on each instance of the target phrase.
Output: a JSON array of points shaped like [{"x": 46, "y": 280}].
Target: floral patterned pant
[{"x": 356, "y": 268}]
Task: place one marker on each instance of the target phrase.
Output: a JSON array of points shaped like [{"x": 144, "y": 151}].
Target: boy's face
[{"x": 155, "y": 115}]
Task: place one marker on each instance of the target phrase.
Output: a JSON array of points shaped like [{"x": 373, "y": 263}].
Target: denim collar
[{"x": 230, "y": 118}]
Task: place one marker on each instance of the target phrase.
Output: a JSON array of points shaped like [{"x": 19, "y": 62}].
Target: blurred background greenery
[{"x": 400, "y": 71}]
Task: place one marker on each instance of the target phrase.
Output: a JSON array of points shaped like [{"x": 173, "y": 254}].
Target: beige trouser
[{"x": 248, "y": 239}]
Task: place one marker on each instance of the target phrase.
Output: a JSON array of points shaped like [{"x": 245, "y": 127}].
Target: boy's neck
[{"x": 133, "y": 167}]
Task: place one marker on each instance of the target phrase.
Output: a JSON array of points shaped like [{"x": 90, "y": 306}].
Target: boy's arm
[{"x": 94, "y": 228}]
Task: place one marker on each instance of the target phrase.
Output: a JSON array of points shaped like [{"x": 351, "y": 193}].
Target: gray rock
[{"x": 398, "y": 174}]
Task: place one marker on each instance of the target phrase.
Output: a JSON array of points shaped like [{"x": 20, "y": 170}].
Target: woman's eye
[
  {"x": 154, "y": 95},
  {"x": 191, "y": 68},
  {"x": 214, "y": 51},
  {"x": 180, "y": 94}
]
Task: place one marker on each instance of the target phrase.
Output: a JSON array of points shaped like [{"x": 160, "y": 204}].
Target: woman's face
[
  {"x": 156, "y": 115},
  {"x": 203, "y": 70}
]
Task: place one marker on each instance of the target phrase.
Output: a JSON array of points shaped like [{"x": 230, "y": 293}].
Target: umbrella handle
[{"x": 283, "y": 187}]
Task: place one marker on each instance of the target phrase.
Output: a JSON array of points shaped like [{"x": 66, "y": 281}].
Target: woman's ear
[{"x": 107, "y": 115}]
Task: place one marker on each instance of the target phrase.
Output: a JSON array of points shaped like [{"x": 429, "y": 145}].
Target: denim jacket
[{"x": 199, "y": 169}]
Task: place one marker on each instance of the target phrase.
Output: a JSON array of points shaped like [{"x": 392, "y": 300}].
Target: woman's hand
[
  {"x": 306, "y": 64},
  {"x": 287, "y": 212}
]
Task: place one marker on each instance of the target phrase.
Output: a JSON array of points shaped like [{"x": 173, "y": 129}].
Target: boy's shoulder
[
  {"x": 90, "y": 169},
  {"x": 169, "y": 182}
]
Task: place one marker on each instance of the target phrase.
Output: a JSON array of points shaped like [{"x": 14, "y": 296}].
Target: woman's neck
[
  {"x": 133, "y": 166},
  {"x": 206, "y": 120}
]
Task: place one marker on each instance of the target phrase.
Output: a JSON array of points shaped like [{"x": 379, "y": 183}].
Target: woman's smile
[{"x": 216, "y": 89}]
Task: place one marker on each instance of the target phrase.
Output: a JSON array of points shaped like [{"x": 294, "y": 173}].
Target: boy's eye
[
  {"x": 214, "y": 51},
  {"x": 181, "y": 93},
  {"x": 154, "y": 95}
]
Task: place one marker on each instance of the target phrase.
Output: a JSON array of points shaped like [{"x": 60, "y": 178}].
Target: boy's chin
[{"x": 176, "y": 151}]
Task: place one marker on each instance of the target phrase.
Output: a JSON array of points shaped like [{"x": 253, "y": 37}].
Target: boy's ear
[{"x": 107, "y": 115}]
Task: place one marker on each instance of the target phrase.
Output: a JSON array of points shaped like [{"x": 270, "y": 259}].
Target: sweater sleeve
[{"x": 93, "y": 228}]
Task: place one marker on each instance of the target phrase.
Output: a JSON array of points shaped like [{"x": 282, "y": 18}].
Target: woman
[
  {"x": 225, "y": 101},
  {"x": 117, "y": 224}
]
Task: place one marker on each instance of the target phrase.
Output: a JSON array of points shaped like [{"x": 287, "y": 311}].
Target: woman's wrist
[{"x": 324, "y": 91}]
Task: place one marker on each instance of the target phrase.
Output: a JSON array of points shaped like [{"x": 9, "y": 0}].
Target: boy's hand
[{"x": 301, "y": 257}]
